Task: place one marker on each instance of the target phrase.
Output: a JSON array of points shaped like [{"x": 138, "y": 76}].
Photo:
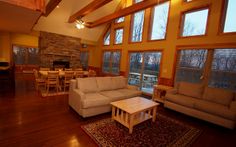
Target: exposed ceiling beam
[
  {"x": 87, "y": 9},
  {"x": 51, "y": 6},
  {"x": 123, "y": 12}
]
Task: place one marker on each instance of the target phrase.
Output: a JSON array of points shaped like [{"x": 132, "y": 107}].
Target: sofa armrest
[
  {"x": 232, "y": 106},
  {"x": 171, "y": 91},
  {"x": 75, "y": 99},
  {"x": 72, "y": 85},
  {"x": 132, "y": 87}
]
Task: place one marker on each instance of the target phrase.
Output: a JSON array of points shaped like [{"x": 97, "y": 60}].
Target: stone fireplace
[{"x": 59, "y": 49}]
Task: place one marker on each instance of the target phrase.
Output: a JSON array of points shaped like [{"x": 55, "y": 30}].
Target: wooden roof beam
[
  {"x": 123, "y": 12},
  {"x": 51, "y": 6},
  {"x": 88, "y": 9}
]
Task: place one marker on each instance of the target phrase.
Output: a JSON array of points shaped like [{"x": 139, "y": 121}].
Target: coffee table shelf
[{"x": 130, "y": 112}]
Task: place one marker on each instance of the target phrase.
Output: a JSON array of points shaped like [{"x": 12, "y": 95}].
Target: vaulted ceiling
[{"x": 57, "y": 20}]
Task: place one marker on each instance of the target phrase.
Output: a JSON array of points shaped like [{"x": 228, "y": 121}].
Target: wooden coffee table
[{"x": 130, "y": 112}]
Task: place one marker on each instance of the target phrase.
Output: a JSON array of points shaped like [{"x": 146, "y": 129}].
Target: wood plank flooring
[{"x": 27, "y": 119}]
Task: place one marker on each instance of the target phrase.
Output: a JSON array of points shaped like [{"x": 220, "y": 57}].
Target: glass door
[{"x": 144, "y": 70}]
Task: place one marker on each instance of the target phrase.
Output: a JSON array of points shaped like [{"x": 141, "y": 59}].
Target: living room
[{"x": 182, "y": 51}]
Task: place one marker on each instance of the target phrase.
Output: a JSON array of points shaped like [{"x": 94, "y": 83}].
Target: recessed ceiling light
[{"x": 58, "y": 6}]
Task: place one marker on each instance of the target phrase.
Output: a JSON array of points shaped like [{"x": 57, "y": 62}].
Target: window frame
[
  {"x": 151, "y": 19},
  {"x": 207, "y": 71},
  {"x": 114, "y": 42},
  {"x": 182, "y": 18},
  {"x": 223, "y": 18},
  {"x": 110, "y": 62},
  {"x": 105, "y": 34}
]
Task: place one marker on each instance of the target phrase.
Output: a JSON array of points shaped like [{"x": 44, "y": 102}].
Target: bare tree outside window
[
  {"x": 194, "y": 23},
  {"x": 160, "y": 17},
  {"x": 137, "y": 29},
  {"x": 84, "y": 59},
  {"x": 25, "y": 55},
  {"x": 119, "y": 36},
  {"x": 223, "y": 70},
  {"x": 111, "y": 62},
  {"x": 190, "y": 66}
]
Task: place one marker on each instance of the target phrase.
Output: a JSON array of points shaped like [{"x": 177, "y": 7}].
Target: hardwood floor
[{"x": 27, "y": 119}]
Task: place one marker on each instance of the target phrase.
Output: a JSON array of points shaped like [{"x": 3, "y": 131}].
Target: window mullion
[{"x": 207, "y": 68}]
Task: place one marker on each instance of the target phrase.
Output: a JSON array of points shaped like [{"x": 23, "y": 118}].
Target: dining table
[{"x": 61, "y": 73}]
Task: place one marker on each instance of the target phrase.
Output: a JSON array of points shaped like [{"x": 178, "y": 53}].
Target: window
[
  {"x": 137, "y": 1},
  {"x": 159, "y": 22},
  {"x": 213, "y": 67},
  {"x": 119, "y": 36},
  {"x": 111, "y": 62},
  {"x": 194, "y": 23},
  {"x": 84, "y": 59},
  {"x": 223, "y": 69},
  {"x": 25, "y": 55},
  {"x": 191, "y": 65},
  {"x": 144, "y": 69},
  {"x": 230, "y": 17},
  {"x": 106, "y": 40},
  {"x": 137, "y": 26},
  {"x": 120, "y": 20}
]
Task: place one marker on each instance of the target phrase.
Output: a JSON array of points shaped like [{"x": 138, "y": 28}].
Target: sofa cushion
[
  {"x": 216, "y": 109},
  {"x": 104, "y": 83},
  {"x": 94, "y": 100},
  {"x": 118, "y": 82},
  {"x": 218, "y": 95},
  {"x": 87, "y": 85},
  {"x": 190, "y": 89},
  {"x": 233, "y": 106},
  {"x": 129, "y": 92},
  {"x": 181, "y": 99},
  {"x": 113, "y": 95}
]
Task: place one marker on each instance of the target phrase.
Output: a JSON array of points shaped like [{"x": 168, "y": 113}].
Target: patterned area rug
[{"x": 164, "y": 131}]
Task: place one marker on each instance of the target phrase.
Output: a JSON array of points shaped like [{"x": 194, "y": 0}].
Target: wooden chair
[
  {"x": 52, "y": 80},
  {"x": 78, "y": 69},
  {"x": 58, "y": 69},
  {"x": 38, "y": 80},
  {"x": 68, "y": 76},
  {"x": 68, "y": 69},
  {"x": 44, "y": 68},
  {"x": 79, "y": 74},
  {"x": 92, "y": 73}
]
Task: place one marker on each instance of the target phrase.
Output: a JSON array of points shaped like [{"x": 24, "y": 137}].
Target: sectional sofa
[
  {"x": 215, "y": 105},
  {"x": 92, "y": 96}
]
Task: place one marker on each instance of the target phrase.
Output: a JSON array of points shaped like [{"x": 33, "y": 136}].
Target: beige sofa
[
  {"x": 92, "y": 96},
  {"x": 215, "y": 105}
]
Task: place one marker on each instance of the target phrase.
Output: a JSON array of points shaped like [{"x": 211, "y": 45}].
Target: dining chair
[
  {"x": 68, "y": 69},
  {"x": 58, "y": 69},
  {"x": 79, "y": 74},
  {"x": 38, "y": 80},
  {"x": 44, "y": 68},
  {"x": 92, "y": 73},
  {"x": 68, "y": 76},
  {"x": 52, "y": 80}
]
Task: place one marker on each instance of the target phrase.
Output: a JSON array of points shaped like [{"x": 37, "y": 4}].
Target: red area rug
[{"x": 164, "y": 131}]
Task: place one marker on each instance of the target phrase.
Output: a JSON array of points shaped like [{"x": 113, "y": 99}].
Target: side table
[{"x": 159, "y": 92}]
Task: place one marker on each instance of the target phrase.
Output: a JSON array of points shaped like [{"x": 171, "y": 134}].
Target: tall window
[
  {"x": 119, "y": 36},
  {"x": 25, "y": 55},
  {"x": 111, "y": 62},
  {"x": 120, "y": 20},
  {"x": 106, "y": 39},
  {"x": 230, "y": 17},
  {"x": 159, "y": 22},
  {"x": 194, "y": 23},
  {"x": 137, "y": 25},
  {"x": 144, "y": 69},
  {"x": 191, "y": 65},
  {"x": 84, "y": 59},
  {"x": 223, "y": 69},
  {"x": 214, "y": 67}
]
